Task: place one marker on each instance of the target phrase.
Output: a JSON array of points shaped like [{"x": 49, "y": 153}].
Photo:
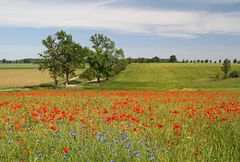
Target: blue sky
[{"x": 189, "y": 29}]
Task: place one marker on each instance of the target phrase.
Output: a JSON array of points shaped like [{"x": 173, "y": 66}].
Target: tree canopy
[{"x": 61, "y": 57}]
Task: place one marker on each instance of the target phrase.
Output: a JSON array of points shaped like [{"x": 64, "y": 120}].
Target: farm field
[
  {"x": 119, "y": 126},
  {"x": 12, "y": 78},
  {"x": 21, "y": 75},
  {"x": 152, "y": 76}
]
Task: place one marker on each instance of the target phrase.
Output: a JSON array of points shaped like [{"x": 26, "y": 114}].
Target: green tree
[
  {"x": 173, "y": 58},
  {"x": 156, "y": 59},
  {"x": 226, "y": 66},
  {"x": 235, "y": 61},
  {"x": 62, "y": 56},
  {"x": 4, "y": 61},
  {"x": 71, "y": 54},
  {"x": 103, "y": 56},
  {"x": 50, "y": 59}
]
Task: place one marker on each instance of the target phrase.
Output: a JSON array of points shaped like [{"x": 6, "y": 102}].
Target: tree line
[{"x": 63, "y": 56}]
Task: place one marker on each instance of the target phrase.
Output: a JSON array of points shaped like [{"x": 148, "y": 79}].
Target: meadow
[
  {"x": 174, "y": 76},
  {"x": 148, "y": 76},
  {"x": 119, "y": 126}
]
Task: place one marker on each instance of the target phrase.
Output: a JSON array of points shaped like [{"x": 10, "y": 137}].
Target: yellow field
[{"x": 11, "y": 78}]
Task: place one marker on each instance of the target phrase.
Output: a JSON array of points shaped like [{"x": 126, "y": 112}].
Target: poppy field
[{"x": 47, "y": 125}]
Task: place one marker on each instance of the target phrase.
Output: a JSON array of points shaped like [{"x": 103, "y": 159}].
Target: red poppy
[
  {"x": 65, "y": 150},
  {"x": 53, "y": 127}
]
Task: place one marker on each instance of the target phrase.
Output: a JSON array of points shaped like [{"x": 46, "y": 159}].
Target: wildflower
[
  {"x": 105, "y": 139},
  {"x": 53, "y": 127},
  {"x": 138, "y": 155},
  {"x": 160, "y": 126},
  {"x": 26, "y": 150},
  {"x": 65, "y": 150},
  {"x": 153, "y": 158}
]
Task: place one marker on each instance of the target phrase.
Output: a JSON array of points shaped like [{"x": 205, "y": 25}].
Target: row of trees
[
  {"x": 173, "y": 59},
  {"x": 155, "y": 59},
  {"x": 234, "y": 61},
  {"x": 25, "y": 61},
  {"x": 63, "y": 56}
]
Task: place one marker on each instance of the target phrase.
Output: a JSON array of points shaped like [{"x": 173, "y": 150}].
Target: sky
[{"x": 189, "y": 29}]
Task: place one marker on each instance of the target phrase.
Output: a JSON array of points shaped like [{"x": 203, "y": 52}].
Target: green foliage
[
  {"x": 120, "y": 66},
  {"x": 226, "y": 66},
  {"x": 234, "y": 74},
  {"x": 217, "y": 77},
  {"x": 104, "y": 56},
  {"x": 88, "y": 74},
  {"x": 62, "y": 56},
  {"x": 173, "y": 58},
  {"x": 50, "y": 59}
]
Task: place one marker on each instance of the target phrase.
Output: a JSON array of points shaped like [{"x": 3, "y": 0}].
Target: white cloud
[
  {"x": 170, "y": 23},
  {"x": 214, "y": 1}
]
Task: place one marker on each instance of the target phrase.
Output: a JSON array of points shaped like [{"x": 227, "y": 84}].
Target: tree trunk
[
  {"x": 67, "y": 78},
  {"x": 55, "y": 83},
  {"x": 98, "y": 80}
]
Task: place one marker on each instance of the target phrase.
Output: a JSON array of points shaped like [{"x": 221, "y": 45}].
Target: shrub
[
  {"x": 217, "y": 77},
  {"x": 89, "y": 74},
  {"x": 234, "y": 74}
]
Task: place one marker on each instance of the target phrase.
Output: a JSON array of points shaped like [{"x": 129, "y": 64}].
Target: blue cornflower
[
  {"x": 112, "y": 161},
  {"x": 105, "y": 139},
  {"x": 130, "y": 150},
  {"x": 138, "y": 155},
  {"x": 153, "y": 158}
]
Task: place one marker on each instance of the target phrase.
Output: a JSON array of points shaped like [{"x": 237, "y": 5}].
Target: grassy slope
[{"x": 170, "y": 76}]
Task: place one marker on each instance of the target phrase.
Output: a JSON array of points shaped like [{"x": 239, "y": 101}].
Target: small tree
[
  {"x": 4, "y": 61},
  {"x": 173, "y": 58},
  {"x": 226, "y": 66},
  {"x": 235, "y": 61}
]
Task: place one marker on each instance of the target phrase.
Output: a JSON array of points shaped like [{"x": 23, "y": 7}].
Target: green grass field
[
  {"x": 170, "y": 77},
  {"x": 18, "y": 66}
]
